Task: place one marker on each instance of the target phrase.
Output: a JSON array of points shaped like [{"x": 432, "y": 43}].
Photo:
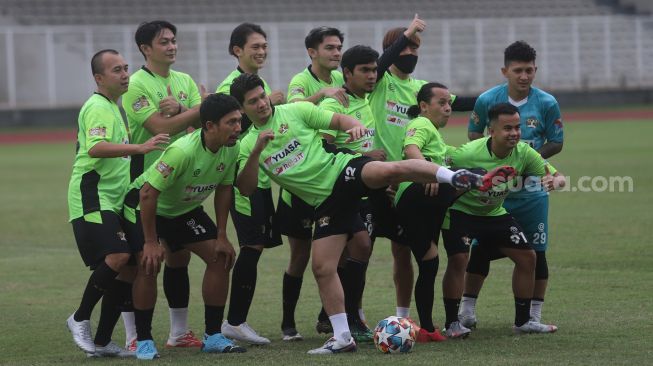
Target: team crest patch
[
  {"x": 121, "y": 236},
  {"x": 98, "y": 131},
  {"x": 197, "y": 172},
  {"x": 410, "y": 132},
  {"x": 164, "y": 169},
  {"x": 182, "y": 96},
  {"x": 297, "y": 90},
  {"x": 475, "y": 118},
  {"x": 358, "y": 115},
  {"x": 220, "y": 167},
  {"x": 467, "y": 240},
  {"x": 323, "y": 221},
  {"x": 283, "y": 128},
  {"x": 307, "y": 223},
  {"x": 140, "y": 103},
  {"x": 532, "y": 122},
  {"x": 558, "y": 123}
]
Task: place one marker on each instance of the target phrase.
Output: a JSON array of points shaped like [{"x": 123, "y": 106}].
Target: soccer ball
[{"x": 394, "y": 335}]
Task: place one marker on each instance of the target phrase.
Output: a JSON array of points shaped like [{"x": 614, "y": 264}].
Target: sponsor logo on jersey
[
  {"x": 297, "y": 90},
  {"x": 98, "y": 131},
  {"x": 164, "y": 169},
  {"x": 323, "y": 221},
  {"x": 182, "y": 96},
  {"x": 532, "y": 122},
  {"x": 396, "y": 107},
  {"x": 411, "y": 132},
  {"x": 200, "y": 188},
  {"x": 475, "y": 118},
  {"x": 284, "y": 159},
  {"x": 283, "y": 128},
  {"x": 140, "y": 103},
  {"x": 396, "y": 121},
  {"x": 277, "y": 156},
  {"x": 220, "y": 167}
]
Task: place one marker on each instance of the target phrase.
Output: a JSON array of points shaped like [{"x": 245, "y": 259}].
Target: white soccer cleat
[
  {"x": 243, "y": 333},
  {"x": 457, "y": 330},
  {"x": 185, "y": 340},
  {"x": 332, "y": 346},
  {"x": 291, "y": 335},
  {"x": 81, "y": 332},
  {"x": 111, "y": 350},
  {"x": 467, "y": 320},
  {"x": 534, "y": 327}
]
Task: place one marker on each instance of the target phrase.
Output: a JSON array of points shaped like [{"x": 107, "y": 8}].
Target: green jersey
[
  {"x": 359, "y": 108},
  {"x": 390, "y": 101},
  {"x": 477, "y": 154},
  {"x": 146, "y": 90},
  {"x": 306, "y": 84},
  {"x": 422, "y": 133},
  {"x": 98, "y": 184},
  {"x": 225, "y": 85},
  {"x": 187, "y": 173},
  {"x": 296, "y": 159}
]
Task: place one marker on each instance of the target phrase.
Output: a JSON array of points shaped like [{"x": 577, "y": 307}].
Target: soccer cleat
[
  {"x": 534, "y": 327},
  {"x": 81, "y": 332},
  {"x": 218, "y": 343},
  {"x": 131, "y": 345},
  {"x": 291, "y": 335},
  {"x": 111, "y": 350},
  {"x": 423, "y": 336},
  {"x": 467, "y": 320},
  {"x": 146, "y": 350},
  {"x": 464, "y": 179},
  {"x": 323, "y": 327},
  {"x": 243, "y": 333},
  {"x": 332, "y": 346},
  {"x": 457, "y": 330},
  {"x": 496, "y": 177},
  {"x": 185, "y": 340},
  {"x": 361, "y": 333}
]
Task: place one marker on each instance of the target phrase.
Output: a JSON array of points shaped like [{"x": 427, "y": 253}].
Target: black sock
[
  {"x": 425, "y": 292},
  {"x": 323, "y": 316},
  {"x": 176, "y": 286},
  {"x": 243, "y": 284},
  {"x": 522, "y": 311},
  {"x": 290, "y": 292},
  {"x": 354, "y": 273},
  {"x": 213, "y": 316},
  {"x": 112, "y": 302},
  {"x": 143, "y": 320},
  {"x": 451, "y": 307},
  {"x": 126, "y": 303},
  {"x": 98, "y": 283}
]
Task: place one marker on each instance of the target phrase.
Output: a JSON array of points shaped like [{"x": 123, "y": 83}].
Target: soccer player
[
  {"x": 254, "y": 216},
  {"x": 290, "y": 151},
  {"x": 422, "y": 209},
  {"x": 162, "y": 100},
  {"x": 480, "y": 215},
  {"x": 171, "y": 195},
  {"x": 541, "y": 128},
  {"x": 319, "y": 80},
  {"x": 98, "y": 183}
]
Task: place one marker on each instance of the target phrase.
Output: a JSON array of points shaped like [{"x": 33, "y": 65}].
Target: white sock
[
  {"x": 467, "y": 306},
  {"x": 130, "y": 326},
  {"x": 444, "y": 175},
  {"x": 403, "y": 312},
  {"x": 361, "y": 314},
  {"x": 340, "y": 327},
  {"x": 536, "y": 310},
  {"x": 178, "y": 321}
]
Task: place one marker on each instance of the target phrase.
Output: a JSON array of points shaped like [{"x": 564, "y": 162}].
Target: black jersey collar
[
  {"x": 105, "y": 97},
  {"x": 144, "y": 68},
  {"x": 202, "y": 138},
  {"x": 350, "y": 92},
  {"x": 240, "y": 70}
]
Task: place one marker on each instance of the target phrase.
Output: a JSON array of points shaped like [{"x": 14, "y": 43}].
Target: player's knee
[
  {"x": 178, "y": 259},
  {"x": 541, "y": 266},
  {"x": 117, "y": 261},
  {"x": 322, "y": 270},
  {"x": 457, "y": 263},
  {"x": 526, "y": 260},
  {"x": 478, "y": 263}
]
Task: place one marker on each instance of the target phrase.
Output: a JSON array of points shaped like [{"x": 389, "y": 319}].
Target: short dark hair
[
  {"x": 358, "y": 55},
  {"x": 241, "y": 32},
  {"x": 147, "y": 31},
  {"x": 501, "y": 109},
  {"x": 97, "y": 66},
  {"x": 424, "y": 94},
  {"x": 244, "y": 83},
  {"x": 393, "y": 34},
  {"x": 518, "y": 51},
  {"x": 216, "y": 106},
  {"x": 317, "y": 36}
]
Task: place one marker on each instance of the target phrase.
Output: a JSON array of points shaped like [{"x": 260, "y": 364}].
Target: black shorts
[
  {"x": 97, "y": 240},
  {"x": 384, "y": 217},
  {"x": 490, "y": 231},
  {"x": 192, "y": 227},
  {"x": 339, "y": 213},
  {"x": 260, "y": 227},
  {"x": 365, "y": 212},
  {"x": 422, "y": 215},
  {"x": 455, "y": 243},
  {"x": 295, "y": 220}
]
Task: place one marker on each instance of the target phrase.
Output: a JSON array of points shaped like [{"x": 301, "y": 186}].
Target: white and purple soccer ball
[{"x": 394, "y": 335}]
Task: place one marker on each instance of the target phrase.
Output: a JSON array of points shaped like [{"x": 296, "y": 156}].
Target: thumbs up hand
[
  {"x": 169, "y": 106},
  {"x": 552, "y": 182}
]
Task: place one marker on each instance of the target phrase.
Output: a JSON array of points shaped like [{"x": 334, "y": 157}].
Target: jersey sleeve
[
  {"x": 416, "y": 134},
  {"x": 230, "y": 173},
  {"x": 167, "y": 169},
  {"x": 224, "y": 87},
  {"x": 553, "y": 122},
  {"x": 332, "y": 105},
  {"x": 245, "y": 150},
  {"x": 297, "y": 88},
  {"x": 315, "y": 117},
  {"x": 478, "y": 118},
  {"x": 98, "y": 126},
  {"x": 535, "y": 164},
  {"x": 194, "y": 97},
  {"x": 137, "y": 104}
]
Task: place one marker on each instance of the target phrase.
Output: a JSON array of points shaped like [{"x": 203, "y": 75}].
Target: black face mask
[{"x": 406, "y": 63}]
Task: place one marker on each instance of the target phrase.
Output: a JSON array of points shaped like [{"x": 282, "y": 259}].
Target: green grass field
[{"x": 599, "y": 256}]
